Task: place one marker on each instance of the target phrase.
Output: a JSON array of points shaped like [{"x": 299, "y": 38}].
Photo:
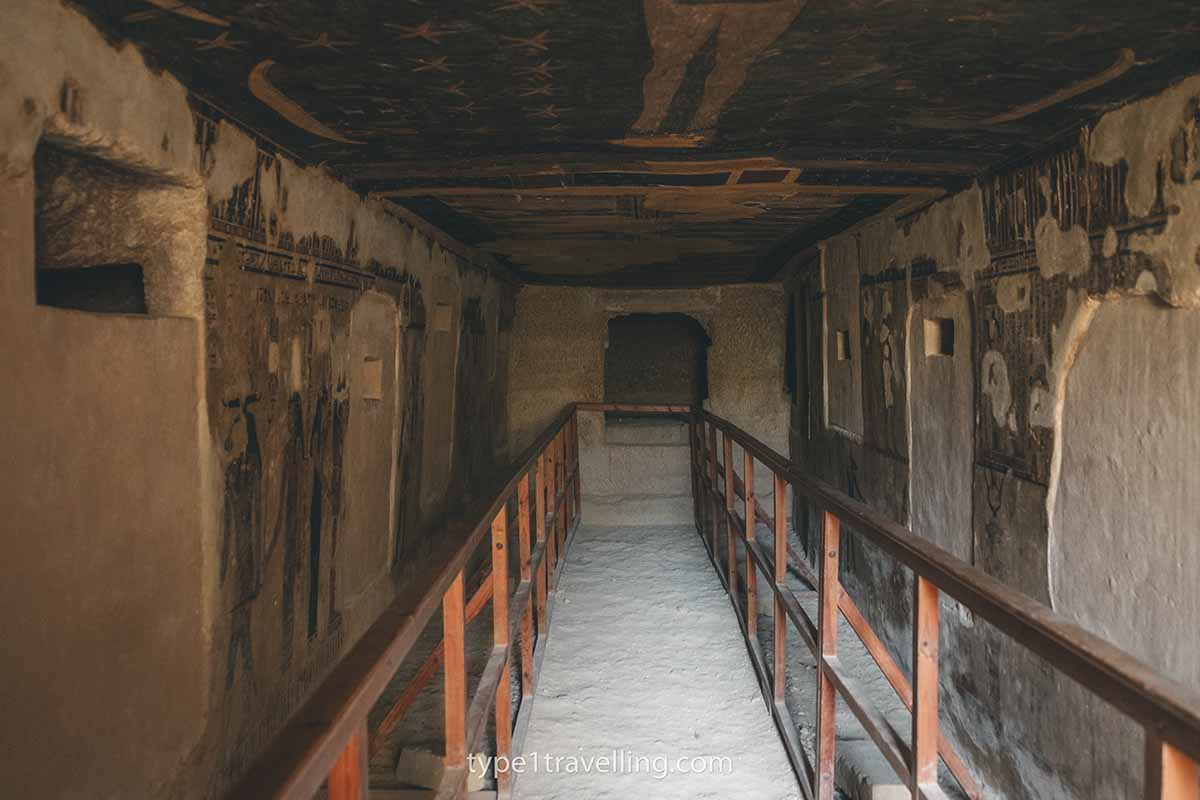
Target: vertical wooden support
[
  {"x": 455, "y": 669},
  {"x": 1170, "y": 775},
  {"x": 827, "y": 619},
  {"x": 575, "y": 464},
  {"x": 692, "y": 455},
  {"x": 539, "y": 527},
  {"x": 560, "y": 521},
  {"x": 751, "y": 569},
  {"x": 527, "y": 611},
  {"x": 730, "y": 549},
  {"x": 551, "y": 493},
  {"x": 349, "y": 777},
  {"x": 925, "y": 686},
  {"x": 500, "y": 637},
  {"x": 781, "y": 556},
  {"x": 715, "y": 520},
  {"x": 568, "y": 483}
]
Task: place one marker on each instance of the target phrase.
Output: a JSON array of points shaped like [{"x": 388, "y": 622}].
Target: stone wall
[
  {"x": 209, "y": 502},
  {"x": 637, "y": 477},
  {"x": 1046, "y": 440}
]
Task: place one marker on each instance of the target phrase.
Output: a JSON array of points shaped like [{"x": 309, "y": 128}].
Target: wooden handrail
[
  {"x": 328, "y": 736},
  {"x": 1168, "y": 710},
  {"x": 328, "y": 732}
]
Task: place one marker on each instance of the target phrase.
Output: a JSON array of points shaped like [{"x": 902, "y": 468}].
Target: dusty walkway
[{"x": 646, "y": 689}]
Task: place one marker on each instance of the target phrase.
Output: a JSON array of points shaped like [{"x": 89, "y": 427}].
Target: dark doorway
[{"x": 656, "y": 358}]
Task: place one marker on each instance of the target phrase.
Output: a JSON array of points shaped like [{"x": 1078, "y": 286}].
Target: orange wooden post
[
  {"x": 561, "y": 484},
  {"x": 540, "y": 532},
  {"x": 551, "y": 493},
  {"x": 781, "y": 556},
  {"x": 349, "y": 777},
  {"x": 1170, "y": 775},
  {"x": 500, "y": 637},
  {"x": 527, "y": 611},
  {"x": 568, "y": 480},
  {"x": 712, "y": 488},
  {"x": 455, "y": 670},
  {"x": 925, "y": 686},
  {"x": 751, "y": 569},
  {"x": 827, "y": 620},
  {"x": 730, "y": 550},
  {"x": 576, "y": 467},
  {"x": 692, "y": 453}
]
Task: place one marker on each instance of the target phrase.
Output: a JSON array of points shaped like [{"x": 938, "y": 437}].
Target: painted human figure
[
  {"x": 678, "y": 29},
  {"x": 317, "y": 451},
  {"x": 341, "y": 420},
  {"x": 242, "y": 536},
  {"x": 287, "y": 522}
]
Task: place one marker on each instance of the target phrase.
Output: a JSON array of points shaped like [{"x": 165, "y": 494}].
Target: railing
[
  {"x": 327, "y": 739},
  {"x": 1169, "y": 712}
]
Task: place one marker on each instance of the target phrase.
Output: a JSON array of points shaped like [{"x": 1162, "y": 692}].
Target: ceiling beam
[
  {"x": 782, "y": 190},
  {"x": 563, "y": 164}
]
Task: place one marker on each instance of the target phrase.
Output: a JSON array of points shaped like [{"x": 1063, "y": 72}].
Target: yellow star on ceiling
[
  {"x": 425, "y": 30},
  {"x": 537, "y": 43},
  {"x": 323, "y": 41},
  {"x": 547, "y": 112},
  {"x": 439, "y": 64},
  {"x": 543, "y": 71}
]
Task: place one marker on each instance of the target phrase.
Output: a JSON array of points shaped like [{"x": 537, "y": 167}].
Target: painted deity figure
[
  {"x": 678, "y": 30},
  {"x": 242, "y": 534}
]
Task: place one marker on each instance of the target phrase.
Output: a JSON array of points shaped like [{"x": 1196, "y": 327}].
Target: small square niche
[
  {"x": 939, "y": 337},
  {"x": 372, "y": 378},
  {"x": 842, "y": 345}
]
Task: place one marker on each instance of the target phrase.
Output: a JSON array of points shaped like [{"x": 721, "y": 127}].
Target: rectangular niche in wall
[
  {"x": 372, "y": 378},
  {"x": 939, "y": 337},
  {"x": 102, "y": 289},
  {"x": 105, "y": 236},
  {"x": 843, "y": 345},
  {"x": 657, "y": 359}
]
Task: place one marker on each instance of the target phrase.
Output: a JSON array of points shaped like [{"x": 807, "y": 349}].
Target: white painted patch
[
  {"x": 1123, "y": 526},
  {"x": 1111, "y": 242},
  {"x": 1013, "y": 294},
  {"x": 1041, "y": 408},
  {"x": 995, "y": 385},
  {"x": 296, "y": 376}
]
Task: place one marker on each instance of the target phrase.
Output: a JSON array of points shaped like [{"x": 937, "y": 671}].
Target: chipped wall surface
[
  {"x": 1124, "y": 518},
  {"x": 558, "y": 357},
  {"x": 223, "y": 492},
  {"x": 1049, "y": 455}
]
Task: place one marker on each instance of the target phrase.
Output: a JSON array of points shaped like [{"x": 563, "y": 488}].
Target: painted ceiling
[{"x": 659, "y": 142}]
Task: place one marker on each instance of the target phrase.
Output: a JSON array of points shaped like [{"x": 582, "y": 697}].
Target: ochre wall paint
[{"x": 1073, "y": 280}]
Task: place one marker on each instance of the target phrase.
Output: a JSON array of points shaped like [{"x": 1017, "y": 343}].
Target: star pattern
[
  {"x": 425, "y": 30},
  {"x": 439, "y": 64},
  {"x": 543, "y": 71},
  {"x": 324, "y": 42},
  {"x": 538, "y": 43}
]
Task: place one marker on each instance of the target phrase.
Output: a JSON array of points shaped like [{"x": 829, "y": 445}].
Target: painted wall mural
[
  {"x": 659, "y": 142},
  {"x": 308, "y": 552}
]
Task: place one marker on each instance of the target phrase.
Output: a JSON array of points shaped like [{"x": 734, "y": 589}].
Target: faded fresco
[
  {"x": 305, "y": 555},
  {"x": 659, "y": 142},
  {"x": 1035, "y": 250}
]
